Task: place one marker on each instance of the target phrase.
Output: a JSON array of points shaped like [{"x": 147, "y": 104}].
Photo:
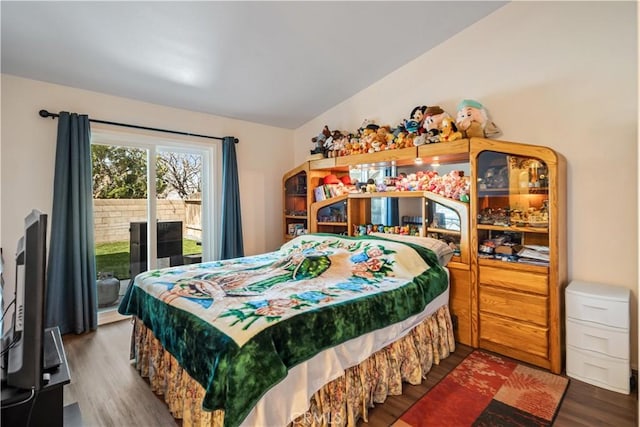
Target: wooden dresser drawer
[
  {"x": 516, "y": 305},
  {"x": 526, "y": 338},
  {"x": 514, "y": 279}
]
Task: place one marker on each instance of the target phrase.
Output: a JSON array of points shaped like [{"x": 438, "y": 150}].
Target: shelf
[
  {"x": 445, "y": 152},
  {"x": 339, "y": 224},
  {"x": 321, "y": 164},
  {"x": 396, "y": 194},
  {"x": 398, "y": 157},
  {"x": 328, "y": 202},
  {"x": 490, "y": 192},
  {"x": 295, "y": 216},
  {"x": 296, "y": 195},
  {"x": 513, "y": 265},
  {"x": 443, "y": 231},
  {"x": 494, "y": 192},
  {"x": 541, "y": 230}
]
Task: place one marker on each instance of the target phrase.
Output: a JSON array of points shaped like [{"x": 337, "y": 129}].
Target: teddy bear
[
  {"x": 473, "y": 120},
  {"x": 384, "y": 137},
  {"x": 367, "y": 138}
]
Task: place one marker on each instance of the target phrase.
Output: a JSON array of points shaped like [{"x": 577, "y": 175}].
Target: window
[{"x": 140, "y": 180}]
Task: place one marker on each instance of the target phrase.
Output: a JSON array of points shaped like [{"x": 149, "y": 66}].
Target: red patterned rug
[{"x": 488, "y": 390}]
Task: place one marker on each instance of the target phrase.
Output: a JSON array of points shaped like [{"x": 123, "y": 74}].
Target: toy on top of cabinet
[
  {"x": 449, "y": 130},
  {"x": 414, "y": 124},
  {"x": 320, "y": 140},
  {"x": 473, "y": 120},
  {"x": 433, "y": 117}
]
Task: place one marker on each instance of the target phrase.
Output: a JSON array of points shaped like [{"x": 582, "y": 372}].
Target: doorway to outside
[{"x": 139, "y": 181}]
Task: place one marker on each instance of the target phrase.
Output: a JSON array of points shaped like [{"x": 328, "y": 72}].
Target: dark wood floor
[{"x": 109, "y": 392}]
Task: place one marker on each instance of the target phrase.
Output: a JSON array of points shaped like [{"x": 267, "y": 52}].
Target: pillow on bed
[{"x": 442, "y": 250}]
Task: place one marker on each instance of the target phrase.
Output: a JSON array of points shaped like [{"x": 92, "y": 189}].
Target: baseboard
[{"x": 110, "y": 316}]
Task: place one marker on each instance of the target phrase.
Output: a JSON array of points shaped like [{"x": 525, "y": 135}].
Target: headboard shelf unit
[{"x": 517, "y": 199}]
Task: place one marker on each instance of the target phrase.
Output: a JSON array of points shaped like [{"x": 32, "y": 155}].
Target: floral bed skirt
[{"x": 342, "y": 402}]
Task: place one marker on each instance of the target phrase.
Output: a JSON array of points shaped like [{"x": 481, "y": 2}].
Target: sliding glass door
[
  {"x": 179, "y": 206},
  {"x": 138, "y": 181}
]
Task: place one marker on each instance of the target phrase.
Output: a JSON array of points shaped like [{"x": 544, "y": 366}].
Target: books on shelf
[
  {"x": 533, "y": 261},
  {"x": 327, "y": 191},
  {"x": 319, "y": 193},
  {"x": 534, "y": 254},
  {"x": 538, "y": 253}
]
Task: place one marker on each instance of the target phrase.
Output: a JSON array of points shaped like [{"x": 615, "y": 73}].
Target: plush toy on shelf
[
  {"x": 433, "y": 117},
  {"x": 473, "y": 120},
  {"x": 449, "y": 130},
  {"x": 414, "y": 124},
  {"x": 371, "y": 186},
  {"x": 368, "y": 124},
  {"x": 320, "y": 140}
]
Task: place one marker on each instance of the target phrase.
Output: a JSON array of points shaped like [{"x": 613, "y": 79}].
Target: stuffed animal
[
  {"x": 432, "y": 136},
  {"x": 368, "y": 124},
  {"x": 433, "y": 117},
  {"x": 449, "y": 131},
  {"x": 320, "y": 140},
  {"x": 371, "y": 186},
  {"x": 473, "y": 120},
  {"x": 401, "y": 140},
  {"x": 414, "y": 124},
  {"x": 337, "y": 143},
  {"x": 384, "y": 137},
  {"x": 420, "y": 140}
]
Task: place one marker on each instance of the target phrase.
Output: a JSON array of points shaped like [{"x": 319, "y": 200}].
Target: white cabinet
[{"x": 597, "y": 325}]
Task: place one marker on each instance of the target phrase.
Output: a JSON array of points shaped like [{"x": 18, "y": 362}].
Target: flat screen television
[{"x": 25, "y": 348}]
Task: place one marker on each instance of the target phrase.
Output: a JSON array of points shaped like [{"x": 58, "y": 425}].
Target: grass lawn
[{"x": 114, "y": 256}]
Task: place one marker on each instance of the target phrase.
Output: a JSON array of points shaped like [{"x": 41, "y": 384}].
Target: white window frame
[{"x": 211, "y": 155}]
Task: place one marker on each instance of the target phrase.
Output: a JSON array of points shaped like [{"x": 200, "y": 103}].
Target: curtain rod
[{"x": 45, "y": 114}]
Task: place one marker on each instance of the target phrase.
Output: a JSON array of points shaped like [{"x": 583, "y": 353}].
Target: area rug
[{"x": 489, "y": 390}]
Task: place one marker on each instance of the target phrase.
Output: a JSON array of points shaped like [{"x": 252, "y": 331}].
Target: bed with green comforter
[{"x": 237, "y": 326}]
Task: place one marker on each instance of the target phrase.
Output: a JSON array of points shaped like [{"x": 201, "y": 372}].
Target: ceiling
[{"x": 275, "y": 63}]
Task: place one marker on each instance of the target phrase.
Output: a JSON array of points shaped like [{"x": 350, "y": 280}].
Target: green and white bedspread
[{"x": 237, "y": 326}]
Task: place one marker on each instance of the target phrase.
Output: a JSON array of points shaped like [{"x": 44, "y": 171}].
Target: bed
[{"x": 311, "y": 334}]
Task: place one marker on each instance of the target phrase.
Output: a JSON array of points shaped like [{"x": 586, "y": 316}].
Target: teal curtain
[
  {"x": 231, "y": 244},
  {"x": 71, "y": 302}
]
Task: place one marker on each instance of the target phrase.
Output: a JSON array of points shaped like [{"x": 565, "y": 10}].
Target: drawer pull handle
[
  {"x": 595, "y": 306},
  {"x": 595, "y": 336}
]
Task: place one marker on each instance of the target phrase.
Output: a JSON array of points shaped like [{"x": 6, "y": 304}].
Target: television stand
[{"x": 45, "y": 407}]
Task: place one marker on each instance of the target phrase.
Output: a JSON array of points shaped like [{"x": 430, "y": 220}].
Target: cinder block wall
[{"x": 112, "y": 216}]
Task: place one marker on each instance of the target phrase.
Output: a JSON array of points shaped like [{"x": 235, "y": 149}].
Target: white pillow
[{"x": 442, "y": 250}]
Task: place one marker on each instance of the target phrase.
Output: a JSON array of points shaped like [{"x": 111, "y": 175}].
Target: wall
[
  {"x": 559, "y": 74},
  {"x": 112, "y": 217},
  {"x": 28, "y": 156}
]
